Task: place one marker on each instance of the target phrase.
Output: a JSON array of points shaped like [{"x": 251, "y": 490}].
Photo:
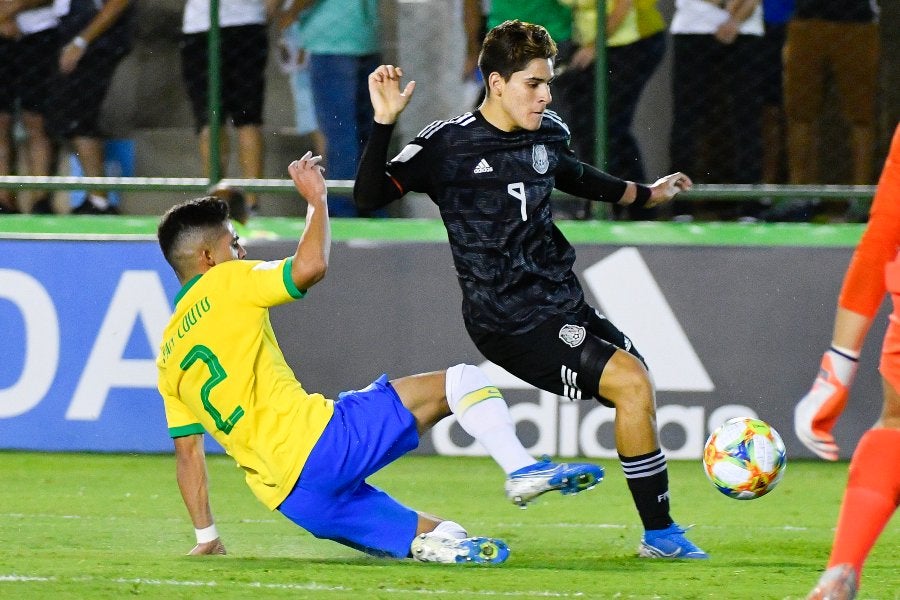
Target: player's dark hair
[
  {"x": 205, "y": 213},
  {"x": 511, "y": 45}
]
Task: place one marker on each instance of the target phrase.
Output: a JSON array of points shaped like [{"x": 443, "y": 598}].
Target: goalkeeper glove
[{"x": 818, "y": 411}]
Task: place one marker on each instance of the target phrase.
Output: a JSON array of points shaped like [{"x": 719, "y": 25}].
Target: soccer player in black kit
[{"x": 491, "y": 173}]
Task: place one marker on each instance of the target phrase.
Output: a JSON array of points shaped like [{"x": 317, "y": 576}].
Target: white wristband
[
  {"x": 79, "y": 42},
  {"x": 207, "y": 534}
]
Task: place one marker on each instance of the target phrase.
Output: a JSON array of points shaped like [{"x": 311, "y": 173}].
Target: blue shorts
[{"x": 370, "y": 428}]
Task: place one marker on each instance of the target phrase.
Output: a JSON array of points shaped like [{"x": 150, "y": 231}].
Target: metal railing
[{"x": 284, "y": 186}]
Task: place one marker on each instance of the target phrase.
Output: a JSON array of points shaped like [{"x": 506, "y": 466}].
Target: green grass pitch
[{"x": 113, "y": 526}]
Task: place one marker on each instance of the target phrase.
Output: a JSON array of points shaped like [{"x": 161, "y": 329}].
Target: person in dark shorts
[
  {"x": 243, "y": 50},
  {"x": 96, "y": 37},
  {"x": 29, "y": 46}
]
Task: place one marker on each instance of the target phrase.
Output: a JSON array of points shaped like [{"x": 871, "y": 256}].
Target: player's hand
[
  {"x": 384, "y": 91},
  {"x": 308, "y": 178},
  {"x": 665, "y": 188},
  {"x": 818, "y": 411},
  {"x": 207, "y": 548}
]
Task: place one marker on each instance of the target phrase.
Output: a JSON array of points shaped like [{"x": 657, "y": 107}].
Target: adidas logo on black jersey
[{"x": 483, "y": 167}]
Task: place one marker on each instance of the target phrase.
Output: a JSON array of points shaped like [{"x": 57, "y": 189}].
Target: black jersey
[{"x": 493, "y": 191}]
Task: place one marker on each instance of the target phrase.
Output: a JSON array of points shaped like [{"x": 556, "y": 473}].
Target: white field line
[
  {"x": 516, "y": 524},
  {"x": 107, "y": 518},
  {"x": 310, "y": 586}
]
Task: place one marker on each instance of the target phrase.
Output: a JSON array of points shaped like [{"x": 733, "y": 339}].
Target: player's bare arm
[
  {"x": 388, "y": 100},
  {"x": 311, "y": 258},
  {"x": 193, "y": 482}
]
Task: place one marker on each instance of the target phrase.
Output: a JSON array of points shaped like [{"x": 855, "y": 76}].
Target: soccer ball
[{"x": 744, "y": 458}]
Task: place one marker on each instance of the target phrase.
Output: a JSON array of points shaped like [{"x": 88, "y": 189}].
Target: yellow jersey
[{"x": 221, "y": 370}]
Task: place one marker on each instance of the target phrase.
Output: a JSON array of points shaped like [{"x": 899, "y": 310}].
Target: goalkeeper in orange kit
[{"x": 873, "y": 487}]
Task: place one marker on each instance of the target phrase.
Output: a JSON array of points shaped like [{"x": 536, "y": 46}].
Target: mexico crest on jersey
[
  {"x": 539, "y": 159},
  {"x": 572, "y": 335}
]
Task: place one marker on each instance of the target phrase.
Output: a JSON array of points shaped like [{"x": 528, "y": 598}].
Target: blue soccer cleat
[
  {"x": 435, "y": 547},
  {"x": 528, "y": 483},
  {"x": 668, "y": 543}
]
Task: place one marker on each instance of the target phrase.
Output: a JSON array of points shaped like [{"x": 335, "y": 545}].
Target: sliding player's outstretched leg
[
  {"x": 482, "y": 412},
  {"x": 435, "y": 547}
]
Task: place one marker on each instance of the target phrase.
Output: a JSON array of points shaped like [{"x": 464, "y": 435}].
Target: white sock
[
  {"x": 482, "y": 413},
  {"x": 98, "y": 201},
  {"x": 451, "y": 529}
]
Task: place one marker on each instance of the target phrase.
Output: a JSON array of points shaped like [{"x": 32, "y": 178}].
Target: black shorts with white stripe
[{"x": 564, "y": 355}]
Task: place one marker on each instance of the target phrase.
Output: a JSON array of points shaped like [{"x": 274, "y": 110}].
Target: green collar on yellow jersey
[{"x": 186, "y": 287}]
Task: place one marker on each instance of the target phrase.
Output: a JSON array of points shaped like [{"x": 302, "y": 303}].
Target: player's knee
[
  {"x": 423, "y": 395},
  {"x": 626, "y": 383}
]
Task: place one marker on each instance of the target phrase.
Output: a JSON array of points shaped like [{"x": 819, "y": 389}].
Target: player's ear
[
  {"x": 495, "y": 83},
  {"x": 206, "y": 257}
]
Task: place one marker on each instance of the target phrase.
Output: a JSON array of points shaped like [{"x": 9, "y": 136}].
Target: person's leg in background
[
  {"x": 8, "y": 203},
  {"x": 37, "y": 73},
  {"x": 245, "y": 51},
  {"x": 335, "y": 93},
  {"x": 81, "y": 95},
  {"x": 630, "y": 68},
  {"x": 691, "y": 99},
  {"x": 804, "y": 82},
  {"x": 856, "y": 77}
]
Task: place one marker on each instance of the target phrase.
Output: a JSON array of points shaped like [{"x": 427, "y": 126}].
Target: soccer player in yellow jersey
[{"x": 221, "y": 371}]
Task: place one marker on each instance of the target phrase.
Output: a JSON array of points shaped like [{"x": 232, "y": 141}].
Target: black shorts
[
  {"x": 244, "y": 52},
  {"x": 27, "y": 69},
  {"x": 565, "y": 355},
  {"x": 80, "y": 94}
]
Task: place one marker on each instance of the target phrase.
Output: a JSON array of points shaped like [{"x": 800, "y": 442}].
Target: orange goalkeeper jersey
[{"x": 864, "y": 284}]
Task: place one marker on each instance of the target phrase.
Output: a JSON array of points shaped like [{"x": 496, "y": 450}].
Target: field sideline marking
[
  {"x": 311, "y": 586},
  {"x": 504, "y": 524}
]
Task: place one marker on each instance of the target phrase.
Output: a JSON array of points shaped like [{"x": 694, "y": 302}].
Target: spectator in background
[
  {"x": 294, "y": 62},
  {"x": 243, "y": 52},
  {"x": 29, "y": 46},
  {"x": 776, "y": 14},
  {"x": 631, "y": 60},
  {"x": 716, "y": 110},
  {"x": 96, "y": 36},
  {"x": 342, "y": 38},
  {"x": 556, "y": 17},
  {"x": 836, "y": 38}
]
